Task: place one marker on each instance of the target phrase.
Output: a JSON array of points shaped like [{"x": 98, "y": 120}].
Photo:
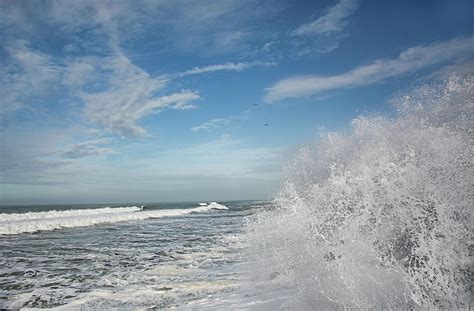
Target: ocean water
[{"x": 178, "y": 255}]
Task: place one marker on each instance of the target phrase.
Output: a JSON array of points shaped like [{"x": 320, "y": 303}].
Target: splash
[{"x": 379, "y": 217}]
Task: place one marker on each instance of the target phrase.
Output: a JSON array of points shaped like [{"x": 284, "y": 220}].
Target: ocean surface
[{"x": 169, "y": 255}]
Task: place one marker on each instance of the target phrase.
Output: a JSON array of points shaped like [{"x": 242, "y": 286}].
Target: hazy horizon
[{"x": 128, "y": 203}]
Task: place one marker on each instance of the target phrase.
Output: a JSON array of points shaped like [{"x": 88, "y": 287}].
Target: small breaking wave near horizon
[{"x": 29, "y": 222}]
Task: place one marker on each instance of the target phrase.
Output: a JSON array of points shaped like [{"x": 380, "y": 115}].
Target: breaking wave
[
  {"x": 17, "y": 223},
  {"x": 379, "y": 217}
]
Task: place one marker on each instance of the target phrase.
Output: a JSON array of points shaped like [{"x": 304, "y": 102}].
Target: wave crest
[{"x": 42, "y": 221}]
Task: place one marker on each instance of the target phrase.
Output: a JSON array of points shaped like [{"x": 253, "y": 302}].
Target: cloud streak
[
  {"x": 218, "y": 123},
  {"x": 211, "y": 125},
  {"x": 335, "y": 20},
  {"x": 324, "y": 34},
  {"x": 410, "y": 60},
  {"x": 230, "y": 66}
]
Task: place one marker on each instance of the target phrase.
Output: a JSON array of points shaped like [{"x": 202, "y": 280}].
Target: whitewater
[
  {"x": 16, "y": 223},
  {"x": 378, "y": 216},
  {"x": 165, "y": 255}
]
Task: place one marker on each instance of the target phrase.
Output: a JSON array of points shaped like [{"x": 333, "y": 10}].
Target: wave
[
  {"x": 212, "y": 205},
  {"x": 379, "y": 217},
  {"x": 215, "y": 205},
  {"x": 17, "y": 223}
]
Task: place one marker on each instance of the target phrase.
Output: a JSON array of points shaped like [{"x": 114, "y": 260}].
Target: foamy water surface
[{"x": 171, "y": 255}]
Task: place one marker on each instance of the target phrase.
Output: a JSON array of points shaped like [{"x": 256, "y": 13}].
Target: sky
[{"x": 177, "y": 100}]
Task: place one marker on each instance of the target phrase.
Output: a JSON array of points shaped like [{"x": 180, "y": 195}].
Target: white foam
[
  {"x": 215, "y": 205},
  {"x": 67, "y": 213},
  {"x": 42, "y": 221},
  {"x": 210, "y": 206}
]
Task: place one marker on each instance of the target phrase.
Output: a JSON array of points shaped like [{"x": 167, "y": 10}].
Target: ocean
[{"x": 168, "y": 255}]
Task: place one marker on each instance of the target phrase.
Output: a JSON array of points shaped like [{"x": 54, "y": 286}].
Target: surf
[
  {"x": 17, "y": 223},
  {"x": 379, "y": 216}
]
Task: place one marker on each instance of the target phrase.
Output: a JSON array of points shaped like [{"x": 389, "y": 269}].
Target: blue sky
[{"x": 167, "y": 100}]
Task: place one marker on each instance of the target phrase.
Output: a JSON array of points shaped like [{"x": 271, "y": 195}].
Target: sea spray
[{"x": 379, "y": 217}]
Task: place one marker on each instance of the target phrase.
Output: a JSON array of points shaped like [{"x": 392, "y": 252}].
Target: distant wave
[
  {"x": 42, "y": 221},
  {"x": 215, "y": 205}
]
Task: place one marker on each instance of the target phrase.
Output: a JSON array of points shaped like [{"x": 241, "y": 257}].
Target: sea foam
[{"x": 379, "y": 217}]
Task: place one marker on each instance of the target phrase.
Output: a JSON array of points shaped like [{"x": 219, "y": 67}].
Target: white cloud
[
  {"x": 334, "y": 21},
  {"x": 211, "y": 124},
  {"x": 116, "y": 93},
  {"x": 128, "y": 94},
  {"x": 324, "y": 34},
  {"x": 230, "y": 66},
  {"x": 218, "y": 123},
  {"x": 411, "y": 60},
  {"x": 24, "y": 74},
  {"x": 191, "y": 25},
  {"x": 79, "y": 72}
]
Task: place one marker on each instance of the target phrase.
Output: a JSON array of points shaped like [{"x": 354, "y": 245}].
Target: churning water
[
  {"x": 379, "y": 217},
  {"x": 129, "y": 258}
]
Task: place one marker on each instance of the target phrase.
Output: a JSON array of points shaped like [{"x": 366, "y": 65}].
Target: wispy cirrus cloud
[
  {"x": 114, "y": 93},
  {"x": 25, "y": 74},
  {"x": 211, "y": 125},
  {"x": 117, "y": 94},
  {"x": 335, "y": 20},
  {"x": 219, "y": 123},
  {"x": 192, "y": 27},
  {"x": 129, "y": 93},
  {"x": 119, "y": 111},
  {"x": 324, "y": 34},
  {"x": 229, "y": 66},
  {"x": 410, "y": 60}
]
